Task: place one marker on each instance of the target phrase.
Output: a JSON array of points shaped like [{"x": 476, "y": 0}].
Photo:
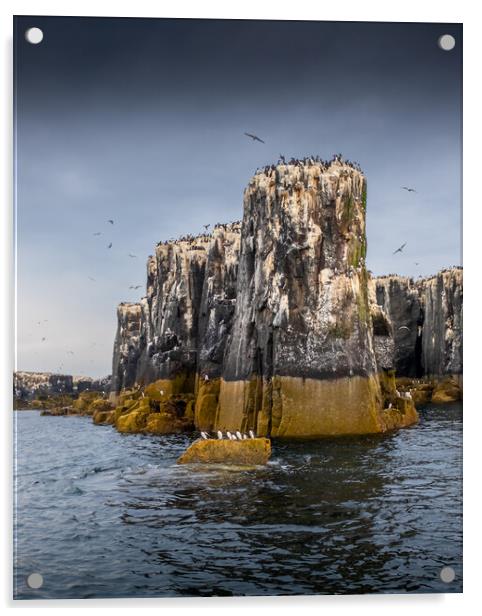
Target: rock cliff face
[
  {"x": 126, "y": 346},
  {"x": 399, "y": 300},
  {"x": 424, "y": 320},
  {"x": 181, "y": 326},
  {"x": 442, "y": 299},
  {"x": 300, "y": 360},
  {"x": 268, "y": 323}
]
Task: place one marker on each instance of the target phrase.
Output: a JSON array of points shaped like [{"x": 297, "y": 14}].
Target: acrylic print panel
[{"x": 239, "y": 283}]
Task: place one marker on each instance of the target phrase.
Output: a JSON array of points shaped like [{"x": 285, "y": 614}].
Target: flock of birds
[
  {"x": 236, "y": 436},
  {"x": 200, "y": 237},
  {"x": 109, "y": 246},
  {"x": 307, "y": 161}
]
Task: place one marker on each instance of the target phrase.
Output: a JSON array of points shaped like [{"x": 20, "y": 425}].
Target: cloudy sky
[{"x": 142, "y": 121}]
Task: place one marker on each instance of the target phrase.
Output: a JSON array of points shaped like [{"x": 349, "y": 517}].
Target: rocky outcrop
[
  {"x": 30, "y": 385},
  {"x": 247, "y": 452},
  {"x": 180, "y": 328},
  {"x": 126, "y": 346},
  {"x": 150, "y": 410},
  {"x": 87, "y": 383},
  {"x": 400, "y": 318},
  {"x": 268, "y": 323},
  {"x": 441, "y": 300},
  {"x": 300, "y": 360},
  {"x": 423, "y": 318}
]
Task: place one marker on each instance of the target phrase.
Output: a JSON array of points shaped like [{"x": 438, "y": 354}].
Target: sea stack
[
  {"x": 300, "y": 361},
  {"x": 268, "y": 323}
]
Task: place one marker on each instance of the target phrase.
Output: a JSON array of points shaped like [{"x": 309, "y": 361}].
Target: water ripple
[{"x": 101, "y": 514}]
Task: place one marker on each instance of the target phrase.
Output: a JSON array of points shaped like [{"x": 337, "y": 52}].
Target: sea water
[{"x": 103, "y": 514}]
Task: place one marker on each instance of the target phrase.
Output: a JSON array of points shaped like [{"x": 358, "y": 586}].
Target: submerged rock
[{"x": 246, "y": 452}]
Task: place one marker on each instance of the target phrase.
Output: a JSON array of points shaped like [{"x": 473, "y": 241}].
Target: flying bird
[
  {"x": 137, "y": 286},
  {"x": 70, "y": 352},
  {"x": 98, "y": 233},
  {"x": 110, "y": 245},
  {"x": 408, "y": 189},
  {"x": 111, "y": 221},
  {"x": 254, "y": 137},
  {"x": 404, "y": 327},
  {"x": 44, "y": 339},
  {"x": 206, "y": 227},
  {"x": 400, "y": 249},
  {"x": 132, "y": 256},
  {"x": 90, "y": 278},
  {"x": 417, "y": 263}
]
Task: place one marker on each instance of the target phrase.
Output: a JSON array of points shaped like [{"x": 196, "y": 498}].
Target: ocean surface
[{"x": 101, "y": 514}]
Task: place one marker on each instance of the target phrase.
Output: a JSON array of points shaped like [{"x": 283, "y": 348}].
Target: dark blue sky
[{"x": 142, "y": 121}]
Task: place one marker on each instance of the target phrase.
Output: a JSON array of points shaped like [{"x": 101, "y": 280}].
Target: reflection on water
[{"x": 100, "y": 514}]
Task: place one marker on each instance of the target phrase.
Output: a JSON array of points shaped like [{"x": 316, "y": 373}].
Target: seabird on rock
[
  {"x": 244, "y": 437},
  {"x": 238, "y": 435},
  {"x": 251, "y": 434},
  {"x": 220, "y": 434},
  {"x": 229, "y": 435},
  {"x": 204, "y": 436}
]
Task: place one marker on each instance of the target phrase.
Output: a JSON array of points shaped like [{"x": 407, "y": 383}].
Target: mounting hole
[
  {"x": 447, "y": 575},
  {"x": 35, "y": 580},
  {"x": 34, "y": 35},
  {"x": 446, "y": 42}
]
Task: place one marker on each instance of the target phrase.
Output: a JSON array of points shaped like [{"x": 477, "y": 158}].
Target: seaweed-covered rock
[
  {"x": 101, "y": 417},
  {"x": 246, "y": 452},
  {"x": 447, "y": 390},
  {"x": 167, "y": 423}
]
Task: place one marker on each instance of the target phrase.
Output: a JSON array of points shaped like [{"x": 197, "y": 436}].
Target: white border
[{"x": 352, "y": 10}]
